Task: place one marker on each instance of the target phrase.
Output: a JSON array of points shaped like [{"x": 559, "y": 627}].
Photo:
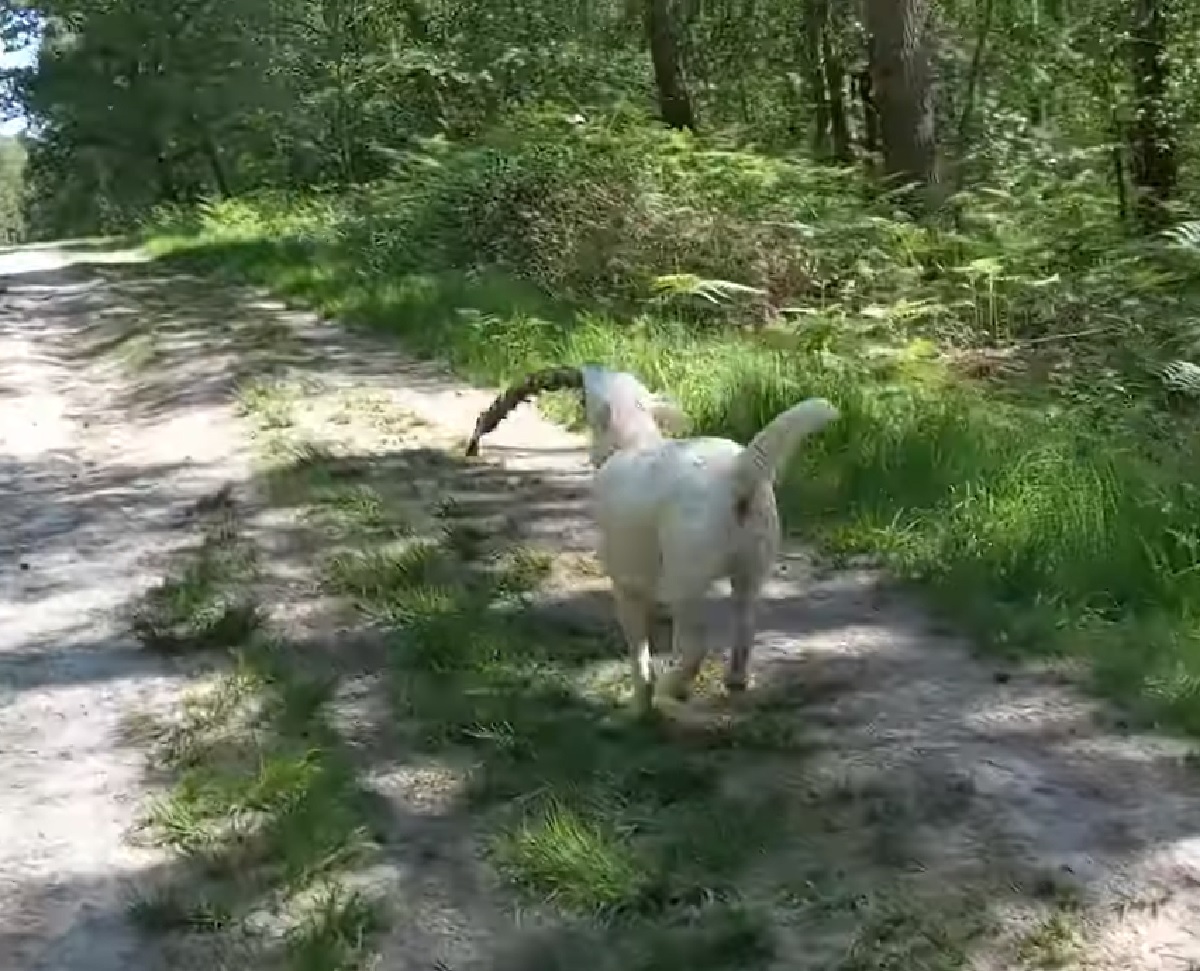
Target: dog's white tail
[{"x": 773, "y": 446}]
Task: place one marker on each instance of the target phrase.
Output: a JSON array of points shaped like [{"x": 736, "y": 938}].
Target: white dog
[{"x": 676, "y": 515}]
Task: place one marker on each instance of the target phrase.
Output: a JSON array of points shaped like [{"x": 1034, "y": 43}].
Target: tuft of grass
[
  {"x": 258, "y": 777},
  {"x": 335, "y": 932},
  {"x": 1054, "y": 943},
  {"x": 902, "y": 937},
  {"x": 264, "y": 804},
  {"x": 368, "y": 576},
  {"x": 578, "y": 863},
  {"x": 206, "y": 604},
  {"x": 269, "y": 403},
  {"x": 168, "y": 910}
]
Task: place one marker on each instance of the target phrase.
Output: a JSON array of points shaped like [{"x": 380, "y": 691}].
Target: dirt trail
[
  {"x": 987, "y": 771},
  {"x": 1012, "y": 775},
  {"x": 92, "y": 497}
]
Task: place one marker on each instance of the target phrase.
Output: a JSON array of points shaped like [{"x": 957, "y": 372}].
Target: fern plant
[{"x": 685, "y": 285}]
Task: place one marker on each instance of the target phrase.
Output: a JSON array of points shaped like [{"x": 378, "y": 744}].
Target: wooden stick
[{"x": 550, "y": 379}]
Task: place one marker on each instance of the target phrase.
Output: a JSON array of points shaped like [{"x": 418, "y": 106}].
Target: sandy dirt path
[
  {"x": 1003, "y": 771},
  {"x": 90, "y": 499},
  {"x": 978, "y": 770}
]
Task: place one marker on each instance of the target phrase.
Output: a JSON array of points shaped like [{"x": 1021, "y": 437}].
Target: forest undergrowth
[{"x": 1014, "y": 375}]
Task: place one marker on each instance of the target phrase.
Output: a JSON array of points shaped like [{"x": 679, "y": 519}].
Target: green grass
[
  {"x": 267, "y": 401},
  {"x": 262, "y": 805},
  {"x": 204, "y": 605},
  {"x": 731, "y": 840},
  {"x": 170, "y": 910},
  {"x": 639, "y": 832},
  {"x": 337, "y": 933},
  {"x": 577, "y": 862},
  {"x": 580, "y": 807},
  {"x": 1037, "y": 532}
]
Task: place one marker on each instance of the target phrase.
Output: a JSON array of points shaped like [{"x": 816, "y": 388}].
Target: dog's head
[{"x": 622, "y": 413}]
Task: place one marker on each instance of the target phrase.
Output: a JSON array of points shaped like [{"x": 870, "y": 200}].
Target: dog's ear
[
  {"x": 669, "y": 416},
  {"x": 597, "y": 411}
]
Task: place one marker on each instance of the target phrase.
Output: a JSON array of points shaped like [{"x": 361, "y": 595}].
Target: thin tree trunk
[
  {"x": 674, "y": 103},
  {"x": 1118, "y": 163},
  {"x": 866, "y": 94},
  {"x": 814, "y": 20},
  {"x": 1154, "y": 161},
  {"x": 1038, "y": 108},
  {"x": 835, "y": 82},
  {"x": 974, "y": 74},
  {"x": 210, "y": 151},
  {"x": 902, "y": 82},
  {"x": 168, "y": 187}
]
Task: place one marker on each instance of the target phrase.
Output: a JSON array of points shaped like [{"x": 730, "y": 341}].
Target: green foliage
[
  {"x": 1018, "y": 370},
  {"x": 168, "y": 103},
  {"x": 1061, "y": 520}
]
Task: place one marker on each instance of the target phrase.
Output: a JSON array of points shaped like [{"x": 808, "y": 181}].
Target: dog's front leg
[{"x": 634, "y": 614}]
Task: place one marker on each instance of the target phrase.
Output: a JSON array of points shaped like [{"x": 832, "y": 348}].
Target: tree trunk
[
  {"x": 1118, "y": 168},
  {"x": 902, "y": 84},
  {"x": 675, "y": 105},
  {"x": 814, "y": 19},
  {"x": 1153, "y": 149},
  {"x": 835, "y": 82},
  {"x": 974, "y": 75},
  {"x": 210, "y": 151},
  {"x": 870, "y": 129},
  {"x": 168, "y": 187}
]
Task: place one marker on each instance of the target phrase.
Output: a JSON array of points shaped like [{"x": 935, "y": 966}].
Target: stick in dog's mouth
[{"x": 538, "y": 382}]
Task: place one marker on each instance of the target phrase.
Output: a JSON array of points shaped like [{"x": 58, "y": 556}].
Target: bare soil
[{"x": 92, "y": 495}]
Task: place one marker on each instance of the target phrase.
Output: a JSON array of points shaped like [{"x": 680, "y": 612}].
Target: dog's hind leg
[
  {"x": 689, "y": 647},
  {"x": 744, "y": 602}
]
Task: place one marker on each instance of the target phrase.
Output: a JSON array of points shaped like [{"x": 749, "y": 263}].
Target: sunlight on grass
[
  {"x": 1055, "y": 943},
  {"x": 678, "y": 842},
  {"x": 578, "y": 805},
  {"x": 262, "y": 803},
  {"x": 668, "y": 842},
  {"x": 205, "y": 605},
  {"x": 1005, "y": 512},
  {"x": 576, "y": 863},
  {"x": 269, "y": 402}
]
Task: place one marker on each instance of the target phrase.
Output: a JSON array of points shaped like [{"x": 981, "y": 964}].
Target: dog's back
[{"x": 672, "y": 505}]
